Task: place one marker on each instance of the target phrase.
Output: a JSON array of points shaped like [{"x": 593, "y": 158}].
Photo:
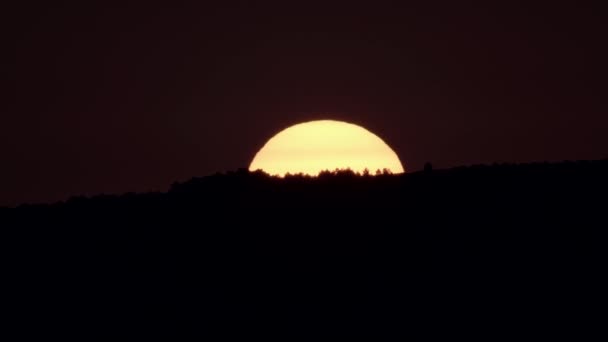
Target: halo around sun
[{"x": 315, "y": 146}]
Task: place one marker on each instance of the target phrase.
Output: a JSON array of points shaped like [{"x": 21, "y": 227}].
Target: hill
[{"x": 499, "y": 251}]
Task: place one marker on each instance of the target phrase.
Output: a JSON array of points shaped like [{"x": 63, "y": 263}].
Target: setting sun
[{"x": 315, "y": 146}]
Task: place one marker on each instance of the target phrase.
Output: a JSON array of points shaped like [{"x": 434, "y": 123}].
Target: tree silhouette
[{"x": 428, "y": 167}]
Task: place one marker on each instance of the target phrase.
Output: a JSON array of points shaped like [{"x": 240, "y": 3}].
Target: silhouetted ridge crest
[{"x": 477, "y": 247}]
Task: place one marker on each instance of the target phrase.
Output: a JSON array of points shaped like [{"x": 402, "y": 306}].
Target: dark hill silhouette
[{"x": 493, "y": 252}]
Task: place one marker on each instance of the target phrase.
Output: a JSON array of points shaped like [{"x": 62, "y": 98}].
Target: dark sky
[{"x": 109, "y": 98}]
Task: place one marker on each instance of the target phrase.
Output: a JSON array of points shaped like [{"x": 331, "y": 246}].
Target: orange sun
[{"x": 316, "y": 146}]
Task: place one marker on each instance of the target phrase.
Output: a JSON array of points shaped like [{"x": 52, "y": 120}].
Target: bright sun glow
[{"x": 315, "y": 146}]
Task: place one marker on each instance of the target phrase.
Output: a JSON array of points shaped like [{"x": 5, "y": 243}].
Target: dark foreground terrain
[{"x": 484, "y": 252}]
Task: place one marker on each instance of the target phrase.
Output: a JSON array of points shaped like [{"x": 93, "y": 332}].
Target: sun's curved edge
[{"x": 364, "y": 172}]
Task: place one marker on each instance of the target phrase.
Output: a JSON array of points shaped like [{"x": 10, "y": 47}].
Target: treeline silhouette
[{"x": 489, "y": 251}]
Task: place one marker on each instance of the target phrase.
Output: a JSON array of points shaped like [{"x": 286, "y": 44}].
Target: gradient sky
[{"x": 110, "y": 98}]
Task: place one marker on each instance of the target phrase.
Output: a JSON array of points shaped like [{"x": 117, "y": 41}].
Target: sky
[{"x": 104, "y": 97}]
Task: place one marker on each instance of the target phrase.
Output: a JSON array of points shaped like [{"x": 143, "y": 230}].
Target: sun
[{"x": 315, "y": 146}]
